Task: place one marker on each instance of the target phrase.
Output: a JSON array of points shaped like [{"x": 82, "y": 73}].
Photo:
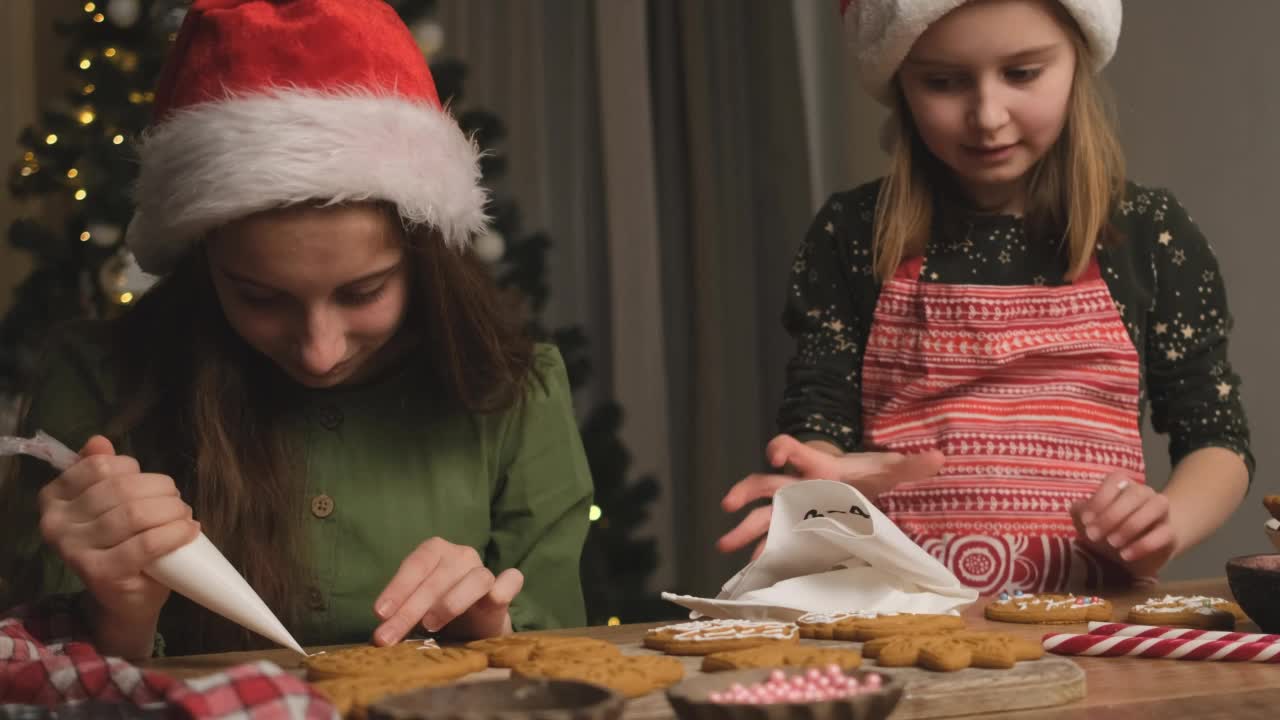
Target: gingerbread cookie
[
  {"x": 631, "y": 675},
  {"x": 774, "y": 656},
  {"x": 1047, "y": 608},
  {"x": 1197, "y": 611},
  {"x": 1272, "y": 503},
  {"x": 350, "y": 695},
  {"x": 709, "y": 636},
  {"x": 952, "y": 651},
  {"x": 415, "y": 658},
  {"x": 861, "y": 626},
  {"x": 511, "y": 650}
]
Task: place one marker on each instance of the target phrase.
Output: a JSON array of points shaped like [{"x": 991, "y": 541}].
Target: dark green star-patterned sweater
[{"x": 1162, "y": 275}]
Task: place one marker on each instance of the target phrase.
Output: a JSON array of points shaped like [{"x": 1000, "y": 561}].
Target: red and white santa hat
[
  {"x": 883, "y": 32},
  {"x": 269, "y": 103}
]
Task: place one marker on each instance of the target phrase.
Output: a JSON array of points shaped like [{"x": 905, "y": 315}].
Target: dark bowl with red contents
[{"x": 1255, "y": 582}]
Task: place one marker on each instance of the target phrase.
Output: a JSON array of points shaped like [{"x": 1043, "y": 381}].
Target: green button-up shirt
[{"x": 384, "y": 473}]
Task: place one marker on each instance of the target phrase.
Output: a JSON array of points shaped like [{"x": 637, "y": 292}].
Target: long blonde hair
[{"x": 1072, "y": 191}]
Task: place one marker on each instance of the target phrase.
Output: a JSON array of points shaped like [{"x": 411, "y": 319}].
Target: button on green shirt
[{"x": 384, "y": 474}]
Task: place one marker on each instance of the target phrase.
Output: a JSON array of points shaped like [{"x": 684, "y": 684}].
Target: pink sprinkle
[
  {"x": 813, "y": 674},
  {"x": 797, "y": 681},
  {"x": 777, "y": 676},
  {"x": 823, "y": 681},
  {"x": 834, "y": 669},
  {"x": 873, "y": 682}
]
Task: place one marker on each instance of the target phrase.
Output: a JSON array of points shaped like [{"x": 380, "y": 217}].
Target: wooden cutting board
[{"x": 1041, "y": 683}]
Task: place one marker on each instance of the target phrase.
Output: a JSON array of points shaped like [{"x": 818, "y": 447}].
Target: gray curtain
[
  {"x": 664, "y": 146},
  {"x": 532, "y": 63},
  {"x": 735, "y": 200}
]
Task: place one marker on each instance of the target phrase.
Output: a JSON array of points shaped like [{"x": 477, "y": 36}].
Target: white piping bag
[{"x": 197, "y": 570}]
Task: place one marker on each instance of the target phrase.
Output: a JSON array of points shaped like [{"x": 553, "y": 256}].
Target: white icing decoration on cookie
[
  {"x": 1182, "y": 603},
  {"x": 815, "y": 618},
  {"x": 708, "y": 630}
]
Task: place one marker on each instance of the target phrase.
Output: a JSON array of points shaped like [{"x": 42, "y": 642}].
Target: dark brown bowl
[
  {"x": 691, "y": 699},
  {"x": 512, "y": 699},
  {"x": 1255, "y": 582}
]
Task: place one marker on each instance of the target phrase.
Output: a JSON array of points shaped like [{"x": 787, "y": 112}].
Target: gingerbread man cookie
[
  {"x": 350, "y": 695},
  {"x": 952, "y": 651},
  {"x": 1195, "y": 611},
  {"x": 510, "y": 650},
  {"x": 1047, "y": 608},
  {"x": 776, "y": 656},
  {"x": 631, "y": 675},
  {"x": 861, "y": 626},
  {"x": 421, "y": 660},
  {"x": 704, "y": 637}
]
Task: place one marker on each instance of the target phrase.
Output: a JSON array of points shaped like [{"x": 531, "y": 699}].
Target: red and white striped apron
[{"x": 1031, "y": 392}]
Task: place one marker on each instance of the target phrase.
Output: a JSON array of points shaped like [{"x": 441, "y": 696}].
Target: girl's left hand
[
  {"x": 1128, "y": 522},
  {"x": 442, "y": 584}
]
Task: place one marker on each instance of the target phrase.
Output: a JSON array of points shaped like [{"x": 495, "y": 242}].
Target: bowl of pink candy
[{"x": 787, "y": 694}]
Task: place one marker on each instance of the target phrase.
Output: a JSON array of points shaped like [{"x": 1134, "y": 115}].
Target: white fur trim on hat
[
  {"x": 215, "y": 162},
  {"x": 883, "y": 32}
]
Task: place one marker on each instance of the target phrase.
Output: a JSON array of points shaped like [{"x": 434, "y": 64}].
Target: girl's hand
[
  {"x": 871, "y": 473},
  {"x": 1127, "y": 522},
  {"x": 442, "y": 584},
  {"x": 108, "y": 520}
]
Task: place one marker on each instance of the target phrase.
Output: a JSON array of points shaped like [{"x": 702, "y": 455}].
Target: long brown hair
[
  {"x": 1072, "y": 191},
  {"x": 199, "y": 404}
]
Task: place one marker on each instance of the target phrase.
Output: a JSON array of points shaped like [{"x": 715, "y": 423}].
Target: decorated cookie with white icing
[
  {"x": 1047, "y": 608},
  {"x": 1195, "y": 611},
  {"x": 704, "y": 637},
  {"x": 861, "y": 626}
]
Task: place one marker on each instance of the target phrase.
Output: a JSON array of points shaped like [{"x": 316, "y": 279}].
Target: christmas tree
[{"x": 80, "y": 158}]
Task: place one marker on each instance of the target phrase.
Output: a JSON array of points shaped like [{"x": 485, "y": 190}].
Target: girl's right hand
[
  {"x": 872, "y": 473},
  {"x": 108, "y": 520}
]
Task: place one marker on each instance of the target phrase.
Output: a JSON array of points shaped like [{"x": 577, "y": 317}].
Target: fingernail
[
  {"x": 383, "y": 609},
  {"x": 1086, "y": 517},
  {"x": 1113, "y": 541},
  {"x": 1092, "y": 533},
  {"x": 431, "y": 624},
  {"x": 1126, "y": 555}
]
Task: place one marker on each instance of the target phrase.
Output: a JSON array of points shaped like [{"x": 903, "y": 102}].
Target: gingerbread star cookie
[
  {"x": 704, "y": 637},
  {"x": 952, "y": 651},
  {"x": 1047, "y": 608},
  {"x": 1195, "y": 611}
]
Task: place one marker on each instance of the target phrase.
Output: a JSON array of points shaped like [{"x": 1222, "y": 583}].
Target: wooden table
[{"x": 1125, "y": 688}]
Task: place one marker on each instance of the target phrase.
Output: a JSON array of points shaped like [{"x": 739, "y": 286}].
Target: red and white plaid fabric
[
  {"x": 45, "y": 661},
  {"x": 1032, "y": 394}
]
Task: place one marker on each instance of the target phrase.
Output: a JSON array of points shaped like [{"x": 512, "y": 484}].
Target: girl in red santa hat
[
  {"x": 980, "y": 332},
  {"x": 323, "y": 379}
]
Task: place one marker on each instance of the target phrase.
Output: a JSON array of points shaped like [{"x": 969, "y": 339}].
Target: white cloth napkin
[{"x": 830, "y": 550}]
